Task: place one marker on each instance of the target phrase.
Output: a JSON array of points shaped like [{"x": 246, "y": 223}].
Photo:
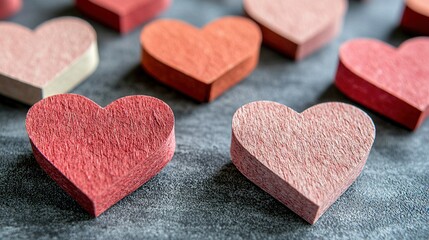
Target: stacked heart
[
  {"x": 416, "y": 16},
  {"x": 201, "y": 63},
  {"x": 53, "y": 59},
  {"x": 100, "y": 155},
  {"x": 307, "y": 160},
  {"x": 297, "y": 28},
  {"x": 123, "y": 15},
  {"x": 394, "y": 83}
]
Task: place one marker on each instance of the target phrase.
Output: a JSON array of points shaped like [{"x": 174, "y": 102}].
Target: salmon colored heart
[
  {"x": 416, "y": 16},
  {"x": 53, "y": 59},
  {"x": 201, "y": 63},
  {"x": 392, "y": 82},
  {"x": 307, "y": 160},
  {"x": 123, "y": 15},
  {"x": 297, "y": 28},
  {"x": 9, "y": 7},
  {"x": 100, "y": 155}
]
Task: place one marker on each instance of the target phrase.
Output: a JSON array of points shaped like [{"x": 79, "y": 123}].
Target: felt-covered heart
[
  {"x": 201, "y": 63},
  {"x": 307, "y": 160},
  {"x": 297, "y": 28},
  {"x": 100, "y": 155},
  {"x": 416, "y": 16},
  {"x": 53, "y": 59},
  {"x": 123, "y": 15},
  {"x": 9, "y": 7},
  {"x": 392, "y": 82}
]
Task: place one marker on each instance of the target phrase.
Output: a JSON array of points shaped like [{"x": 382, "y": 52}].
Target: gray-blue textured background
[{"x": 200, "y": 194}]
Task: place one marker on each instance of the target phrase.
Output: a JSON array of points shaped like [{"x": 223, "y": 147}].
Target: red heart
[
  {"x": 416, "y": 16},
  {"x": 123, "y": 15},
  {"x": 100, "y": 155},
  {"x": 392, "y": 82},
  {"x": 201, "y": 63},
  {"x": 53, "y": 59},
  {"x": 297, "y": 28},
  {"x": 9, "y": 7},
  {"x": 307, "y": 160}
]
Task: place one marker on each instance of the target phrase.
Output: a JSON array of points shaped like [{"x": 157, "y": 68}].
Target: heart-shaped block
[
  {"x": 53, "y": 59},
  {"x": 392, "y": 82},
  {"x": 306, "y": 161},
  {"x": 297, "y": 28},
  {"x": 201, "y": 63},
  {"x": 415, "y": 17},
  {"x": 100, "y": 155},
  {"x": 124, "y": 15},
  {"x": 9, "y": 8}
]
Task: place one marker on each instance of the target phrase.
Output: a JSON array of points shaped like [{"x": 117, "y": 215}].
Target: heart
[
  {"x": 392, "y": 82},
  {"x": 53, "y": 59},
  {"x": 306, "y": 161},
  {"x": 415, "y": 17},
  {"x": 100, "y": 155},
  {"x": 9, "y": 8},
  {"x": 201, "y": 63},
  {"x": 297, "y": 28},
  {"x": 124, "y": 15}
]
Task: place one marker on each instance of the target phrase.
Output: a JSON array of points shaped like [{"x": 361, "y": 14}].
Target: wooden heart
[
  {"x": 53, "y": 59},
  {"x": 307, "y": 160},
  {"x": 201, "y": 63},
  {"x": 124, "y": 15},
  {"x": 416, "y": 16},
  {"x": 9, "y": 8},
  {"x": 297, "y": 28},
  {"x": 100, "y": 155},
  {"x": 392, "y": 82}
]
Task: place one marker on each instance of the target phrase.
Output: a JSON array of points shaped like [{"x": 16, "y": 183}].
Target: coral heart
[
  {"x": 297, "y": 28},
  {"x": 392, "y": 82},
  {"x": 9, "y": 7},
  {"x": 307, "y": 160},
  {"x": 53, "y": 59},
  {"x": 123, "y": 15},
  {"x": 416, "y": 16},
  {"x": 201, "y": 63},
  {"x": 100, "y": 155}
]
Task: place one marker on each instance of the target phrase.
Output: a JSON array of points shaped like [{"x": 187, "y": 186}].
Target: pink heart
[
  {"x": 297, "y": 28},
  {"x": 9, "y": 7},
  {"x": 123, "y": 15},
  {"x": 53, "y": 59},
  {"x": 307, "y": 160},
  {"x": 392, "y": 82},
  {"x": 100, "y": 155}
]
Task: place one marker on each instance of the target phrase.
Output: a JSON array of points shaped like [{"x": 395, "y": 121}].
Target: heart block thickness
[
  {"x": 305, "y": 160},
  {"x": 297, "y": 28},
  {"x": 392, "y": 82},
  {"x": 123, "y": 15},
  {"x": 416, "y": 16},
  {"x": 100, "y": 155},
  {"x": 201, "y": 63},
  {"x": 53, "y": 59}
]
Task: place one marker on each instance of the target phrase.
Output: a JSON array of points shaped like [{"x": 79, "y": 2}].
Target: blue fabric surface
[{"x": 200, "y": 194}]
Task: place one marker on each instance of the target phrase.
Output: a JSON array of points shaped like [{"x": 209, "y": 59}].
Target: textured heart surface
[
  {"x": 307, "y": 160},
  {"x": 53, "y": 59},
  {"x": 123, "y": 15},
  {"x": 297, "y": 28},
  {"x": 100, "y": 155},
  {"x": 201, "y": 63},
  {"x": 416, "y": 16},
  {"x": 392, "y": 82},
  {"x": 9, "y": 7}
]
